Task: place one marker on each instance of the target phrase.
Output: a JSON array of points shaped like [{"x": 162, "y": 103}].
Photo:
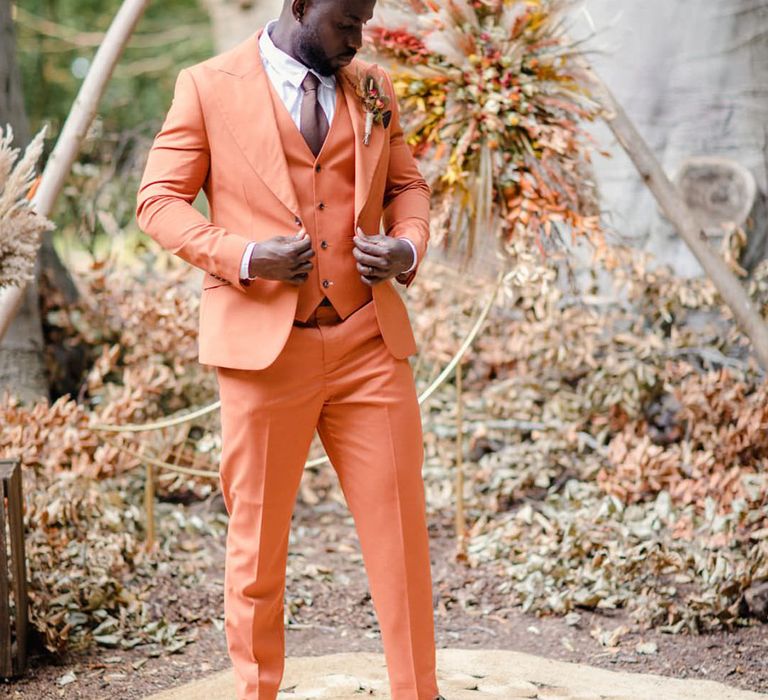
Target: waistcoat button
[
  {"x": 326, "y": 283},
  {"x": 323, "y": 244},
  {"x": 321, "y": 206}
]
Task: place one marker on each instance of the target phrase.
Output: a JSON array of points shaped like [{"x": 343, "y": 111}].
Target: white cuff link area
[{"x": 415, "y": 257}]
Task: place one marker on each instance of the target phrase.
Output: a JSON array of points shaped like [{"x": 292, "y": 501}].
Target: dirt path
[
  {"x": 330, "y": 612},
  {"x": 465, "y": 674}
]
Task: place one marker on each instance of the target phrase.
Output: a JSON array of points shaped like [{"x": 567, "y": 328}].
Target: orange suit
[{"x": 279, "y": 380}]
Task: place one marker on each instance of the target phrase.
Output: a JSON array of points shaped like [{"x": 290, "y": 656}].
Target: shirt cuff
[
  {"x": 415, "y": 256},
  {"x": 245, "y": 262}
]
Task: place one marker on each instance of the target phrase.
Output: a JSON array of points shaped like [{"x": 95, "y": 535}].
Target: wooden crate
[{"x": 13, "y": 572}]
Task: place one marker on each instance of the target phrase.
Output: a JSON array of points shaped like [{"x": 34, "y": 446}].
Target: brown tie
[{"x": 314, "y": 123}]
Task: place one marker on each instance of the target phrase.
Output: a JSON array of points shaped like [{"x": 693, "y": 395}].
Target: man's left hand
[{"x": 380, "y": 257}]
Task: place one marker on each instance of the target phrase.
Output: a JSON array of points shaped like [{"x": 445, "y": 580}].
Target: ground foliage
[
  {"x": 91, "y": 579},
  {"x": 616, "y": 455},
  {"x": 620, "y": 457}
]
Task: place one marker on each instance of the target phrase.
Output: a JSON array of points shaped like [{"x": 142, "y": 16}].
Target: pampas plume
[{"x": 20, "y": 225}]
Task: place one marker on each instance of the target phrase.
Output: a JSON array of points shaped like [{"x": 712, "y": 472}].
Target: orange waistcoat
[{"x": 325, "y": 187}]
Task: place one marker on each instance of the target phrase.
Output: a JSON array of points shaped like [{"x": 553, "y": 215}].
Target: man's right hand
[{"x": 284, "y": 258}]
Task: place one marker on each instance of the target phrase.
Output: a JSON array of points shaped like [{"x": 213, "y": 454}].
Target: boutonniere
[{"x": 370, "y": 90}]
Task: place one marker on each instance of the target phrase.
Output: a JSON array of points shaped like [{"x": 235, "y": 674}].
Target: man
[{"x": 299, "y": 315}]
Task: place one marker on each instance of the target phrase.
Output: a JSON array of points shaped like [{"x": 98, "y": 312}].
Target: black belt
[{"x": 311, "y": 322}]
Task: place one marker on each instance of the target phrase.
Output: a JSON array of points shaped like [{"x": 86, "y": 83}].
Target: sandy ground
[{"x": 465, "y": 674}]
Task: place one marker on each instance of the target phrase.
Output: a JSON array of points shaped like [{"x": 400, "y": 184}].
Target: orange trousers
[{"x": 341, "y": 380}]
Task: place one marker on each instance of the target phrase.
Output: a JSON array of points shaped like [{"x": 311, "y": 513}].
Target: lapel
[
  {"x": 366, "y": 157},
  {"x": 245, "y": 103},
  {"x": 242, "y": 96}
]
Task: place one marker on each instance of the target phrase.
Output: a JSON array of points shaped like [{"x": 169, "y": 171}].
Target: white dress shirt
[{"x": 286, "y": 75}]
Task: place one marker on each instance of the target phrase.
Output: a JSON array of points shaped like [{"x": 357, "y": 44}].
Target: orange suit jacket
[{"x": 220, "y": 135}]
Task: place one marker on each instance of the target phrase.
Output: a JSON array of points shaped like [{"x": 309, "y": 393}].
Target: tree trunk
[
  {"x": 22, "y": 361},
  {"x": 11, "y": 98},
  {"x": 693, "y": 77},
  {"x": 688, "y": 227}
]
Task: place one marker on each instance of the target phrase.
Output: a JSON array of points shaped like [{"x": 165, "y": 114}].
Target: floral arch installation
[
  {"x": 492, "y": 102},
  {"x": 494, "y": 95}
]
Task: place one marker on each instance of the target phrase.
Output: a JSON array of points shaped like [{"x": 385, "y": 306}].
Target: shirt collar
[{"x": 287, "y": 67}]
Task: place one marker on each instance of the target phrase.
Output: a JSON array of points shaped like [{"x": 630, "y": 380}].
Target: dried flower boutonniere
[{"x": 370, "y": 90}]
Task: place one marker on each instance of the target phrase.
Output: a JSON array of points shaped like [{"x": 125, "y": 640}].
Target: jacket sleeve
[
  {"x": 176, "y": 168},
  {"x": 407, "y": 194}
]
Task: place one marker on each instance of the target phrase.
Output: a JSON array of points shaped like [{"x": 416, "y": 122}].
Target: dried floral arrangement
[
  {"x": 493, "y": 97},
  {"x": 20, "y": 226}
]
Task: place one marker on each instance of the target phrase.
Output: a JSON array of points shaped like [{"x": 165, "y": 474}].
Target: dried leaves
[
  {"x": 704, "y": 450},
  {"x": 91, "y": 580},
  {"x": 143, "y": 335},
  {"x": 81, "y": 544},
  {"x": 580, "y": 548},
  {"x": 656, "y": 397},
  {"x": 616, "y": 461}
]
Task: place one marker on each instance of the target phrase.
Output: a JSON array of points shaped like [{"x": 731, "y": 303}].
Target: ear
[{"x": 298, "y": 8}]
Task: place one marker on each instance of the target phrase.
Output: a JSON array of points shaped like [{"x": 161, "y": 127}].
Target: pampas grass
[{"x": 20, "y": 225}]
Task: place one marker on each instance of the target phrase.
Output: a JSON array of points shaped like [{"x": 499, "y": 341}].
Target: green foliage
[
  {"x": 56, "y": 42},
  {"x": 55, "y": 36}
]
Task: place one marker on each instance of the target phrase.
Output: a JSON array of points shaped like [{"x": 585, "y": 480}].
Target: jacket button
[
  {"x": 321, "y": 206},
  {"x": 326, "y": 283},
  {"x": 323, "y": 244},
  {"x": 318, "y": 168}
]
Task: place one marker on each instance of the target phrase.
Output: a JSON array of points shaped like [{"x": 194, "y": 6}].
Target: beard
[{"x": 309, "y": 52}]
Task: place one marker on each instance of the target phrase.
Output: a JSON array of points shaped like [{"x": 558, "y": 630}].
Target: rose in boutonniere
[{"x": 370, "y": 90}]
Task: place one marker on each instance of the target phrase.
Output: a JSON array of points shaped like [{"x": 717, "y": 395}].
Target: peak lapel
[
  {"x": 366, "y": 157},
  {"x": 245, "y": 103}
]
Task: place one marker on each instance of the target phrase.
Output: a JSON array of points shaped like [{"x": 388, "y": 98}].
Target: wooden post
[
  {"x": 149, "y": 505},
  {"x": 461, "y": 526},
  {"x": 13, "y": 574}
]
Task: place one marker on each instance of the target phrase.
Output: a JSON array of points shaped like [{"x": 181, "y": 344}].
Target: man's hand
[
  {"x": 284, "y": 258},
  {"x": 380, "y": 257}
]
